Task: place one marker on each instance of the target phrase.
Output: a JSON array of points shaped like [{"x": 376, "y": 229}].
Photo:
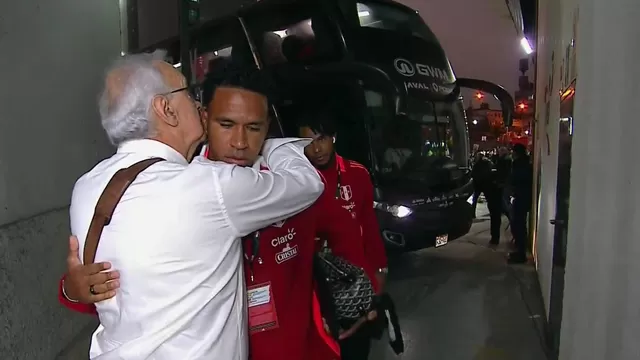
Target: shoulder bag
[{"x": 107, "y": 204}]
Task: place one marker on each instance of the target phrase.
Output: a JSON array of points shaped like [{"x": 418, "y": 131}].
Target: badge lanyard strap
[
  {"x": 338, "y": 186},
  {"x": 255, "y": 251}
]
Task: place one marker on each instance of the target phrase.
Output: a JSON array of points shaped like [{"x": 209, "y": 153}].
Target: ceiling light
[{"x": 526, "y": 46}]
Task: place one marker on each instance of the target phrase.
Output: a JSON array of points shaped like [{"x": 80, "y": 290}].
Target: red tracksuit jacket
[
  {"x": 286, "y": 253},
  {"x": 349, "y": 183},
  {"x": 293, "y": 331}
]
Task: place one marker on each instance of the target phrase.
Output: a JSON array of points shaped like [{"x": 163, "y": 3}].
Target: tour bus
[{"x": 380, "y": 70}]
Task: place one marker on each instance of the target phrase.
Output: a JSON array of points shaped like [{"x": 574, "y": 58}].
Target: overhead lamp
[{"x": 526, "y": 46}]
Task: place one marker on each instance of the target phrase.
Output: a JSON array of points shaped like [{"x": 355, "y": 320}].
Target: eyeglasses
[{"x": 194, "y": 91}]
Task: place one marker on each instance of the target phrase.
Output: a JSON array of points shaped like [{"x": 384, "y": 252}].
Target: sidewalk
[
  {"x": 457, "y": 302},
  {"x": 462, "y": 302}
]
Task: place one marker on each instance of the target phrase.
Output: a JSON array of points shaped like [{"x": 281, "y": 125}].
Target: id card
[{"x": 262, "y": 308}]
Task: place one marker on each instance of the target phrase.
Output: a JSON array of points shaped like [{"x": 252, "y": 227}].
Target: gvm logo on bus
[{"x": 408, "y": 69}]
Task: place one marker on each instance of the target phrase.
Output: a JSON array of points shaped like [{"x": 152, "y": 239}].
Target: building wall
[
  {"x": 546, "y": 138},
  {"x": 601, "y": 317},
  {"x": 53, "y": 57},
  {"x": 555, "y": 34}
]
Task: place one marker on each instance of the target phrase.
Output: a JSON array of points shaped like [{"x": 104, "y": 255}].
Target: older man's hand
[{"x": 88, "y": 284}]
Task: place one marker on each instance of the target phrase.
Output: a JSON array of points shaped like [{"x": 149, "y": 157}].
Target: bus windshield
[
  {"x": 392, "y": 18},
  {"x": 431, "y": 133}
]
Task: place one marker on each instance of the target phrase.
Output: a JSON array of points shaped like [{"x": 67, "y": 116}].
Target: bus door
[
  {"x": 219, "y": 46},
  {"x": 221, "y": 49},
  {"x": 298, "y": 33},
  {"x": 341, "y": 97}
]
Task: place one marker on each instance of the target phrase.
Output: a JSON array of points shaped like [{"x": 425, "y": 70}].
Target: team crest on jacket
[{"x": 345, "y": 192}]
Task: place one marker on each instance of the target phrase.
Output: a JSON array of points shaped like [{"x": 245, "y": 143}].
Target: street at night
[{"x": 462, "y": 302}]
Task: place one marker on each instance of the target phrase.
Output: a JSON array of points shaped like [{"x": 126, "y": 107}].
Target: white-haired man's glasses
[{"x": 194, "y": 91}]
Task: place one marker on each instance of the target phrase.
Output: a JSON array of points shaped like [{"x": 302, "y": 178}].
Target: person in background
[
  {"x": 278, "y": 258},
  {"x": 502, "y": 174},
  {"x": 521, "y": 183},
  {"x": 348, "y": 183},
  {"x": 484, "y": 183}
]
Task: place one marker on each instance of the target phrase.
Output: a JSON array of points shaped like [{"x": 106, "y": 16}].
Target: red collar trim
[{"x": 340, "y": 163}]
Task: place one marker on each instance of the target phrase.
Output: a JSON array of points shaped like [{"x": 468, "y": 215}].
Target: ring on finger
[{"x": 92, "y": 290}]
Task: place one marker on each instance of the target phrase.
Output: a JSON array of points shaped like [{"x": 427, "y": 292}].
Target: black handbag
[{"x": 352, "y": 293}]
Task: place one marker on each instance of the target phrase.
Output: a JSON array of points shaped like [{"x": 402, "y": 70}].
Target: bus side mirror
[{"x": 506, "y": 100}]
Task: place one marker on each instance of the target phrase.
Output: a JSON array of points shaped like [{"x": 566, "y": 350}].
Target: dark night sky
[{"x": 478, "y": 36}]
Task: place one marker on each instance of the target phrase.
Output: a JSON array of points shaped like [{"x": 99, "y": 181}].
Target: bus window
[
  {"x": 428, "y": 130},
  {"x": 220, "y": 46},
  {"x": 214, "y": 61},
  {"x": 391, "y": 18},
  {"x": 295, "y": 33}
]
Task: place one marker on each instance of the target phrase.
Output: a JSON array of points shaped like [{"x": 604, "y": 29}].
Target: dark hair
[
  {"x": 224, "y": 73},
  {"x": 520, "y": 149},
  {"x": 319, "y": 121}
]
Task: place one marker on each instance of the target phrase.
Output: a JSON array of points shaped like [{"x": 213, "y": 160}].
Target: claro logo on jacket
[
  {"x": 279, "y": 240},
  {"x": 290, "y": 249}
]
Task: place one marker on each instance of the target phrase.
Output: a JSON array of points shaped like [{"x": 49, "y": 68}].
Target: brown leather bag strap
[{"x": 107, "y": 204}]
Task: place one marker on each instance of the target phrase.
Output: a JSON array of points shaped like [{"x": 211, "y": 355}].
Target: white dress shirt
[{"x": 175, "y": 238}]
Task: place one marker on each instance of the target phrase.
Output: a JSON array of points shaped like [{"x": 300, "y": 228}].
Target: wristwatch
[{"x": 383, "y": 270}]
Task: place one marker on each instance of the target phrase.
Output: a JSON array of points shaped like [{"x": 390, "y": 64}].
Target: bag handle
[{"x": 107, "y": 204}]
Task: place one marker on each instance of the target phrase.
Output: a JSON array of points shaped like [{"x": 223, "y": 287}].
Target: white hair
[{"x": 131, "y": 83}]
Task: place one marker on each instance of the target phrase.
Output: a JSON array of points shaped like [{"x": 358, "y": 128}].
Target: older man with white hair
[{"x": 174, "y": 236}]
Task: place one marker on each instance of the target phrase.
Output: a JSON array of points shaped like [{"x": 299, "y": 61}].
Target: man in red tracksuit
[
  {"x": 284, "y": 318},
  {"x": 350, "y": 185}
]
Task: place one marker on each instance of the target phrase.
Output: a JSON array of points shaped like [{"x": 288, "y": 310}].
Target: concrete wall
[
  {"x": 546, "y": 136},
  {"x": 555, "y": 33},
  {"x": 53, "y": 56},
  {"x": 601, "y": 317}
]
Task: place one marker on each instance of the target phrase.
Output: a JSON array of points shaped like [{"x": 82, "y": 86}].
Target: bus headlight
[{"x": 398, "y": 211}]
